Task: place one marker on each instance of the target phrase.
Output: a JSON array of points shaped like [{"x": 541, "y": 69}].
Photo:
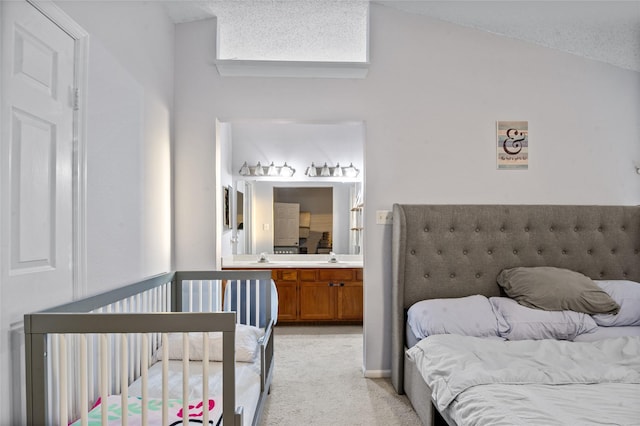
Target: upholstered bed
[
  {"x": 456, "y": 251},
  {"x": 157, "y": 351}
]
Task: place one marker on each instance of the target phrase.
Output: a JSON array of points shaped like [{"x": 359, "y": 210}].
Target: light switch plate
[{"x": 384, "y": 217}]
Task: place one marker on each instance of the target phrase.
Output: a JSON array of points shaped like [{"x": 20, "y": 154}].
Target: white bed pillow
[
  {"x": 627, "y": 295},
  {"x": 247, "y": 338},
  {"x": 536, "y": 324},
  {"x": 469, "y": 316}
]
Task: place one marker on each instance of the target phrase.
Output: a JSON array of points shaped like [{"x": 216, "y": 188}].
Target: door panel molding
[{"x": 33, "y": 236}]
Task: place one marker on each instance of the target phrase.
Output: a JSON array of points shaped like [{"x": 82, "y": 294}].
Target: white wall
[
  {"x": 130, "y": 101},
  {"x": 297, "y": 144},
  {"x": 430, "y": 103}
]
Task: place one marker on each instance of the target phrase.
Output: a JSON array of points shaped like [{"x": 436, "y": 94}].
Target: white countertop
[{"x": 278, "y": 261}]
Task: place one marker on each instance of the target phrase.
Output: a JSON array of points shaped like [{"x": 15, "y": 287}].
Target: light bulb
[
  {"x": 286, "y": 170},
  {"x": 311, "y": 170},
  {"x": 259, "y": 170},
  {"x": 337, "y": 170}
]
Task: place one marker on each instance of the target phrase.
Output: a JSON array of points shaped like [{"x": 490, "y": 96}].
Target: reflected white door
[
  {"x": 286, "y": 224},
  {"x": 37, "y": 160}
]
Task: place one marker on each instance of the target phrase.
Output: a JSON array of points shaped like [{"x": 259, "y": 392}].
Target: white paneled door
[
  {"x": 38, "y": 99},
  {"x": 37, "y": 157},
  {"x": 286, "y": 223}
]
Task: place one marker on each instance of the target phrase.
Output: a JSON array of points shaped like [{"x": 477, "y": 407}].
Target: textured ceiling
[{"x": 607, "y": 31}]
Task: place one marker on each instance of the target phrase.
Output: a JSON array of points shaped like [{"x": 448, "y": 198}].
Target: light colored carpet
[{"x": 318, "y": 380}]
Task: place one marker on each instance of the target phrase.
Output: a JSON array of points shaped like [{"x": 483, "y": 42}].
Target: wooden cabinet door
[
  {"x": 317, "y": 301},
  {"x": 350, "y": 301},
  {"x": 287, "y": 285},
  {"x": 287, "y": 301}
]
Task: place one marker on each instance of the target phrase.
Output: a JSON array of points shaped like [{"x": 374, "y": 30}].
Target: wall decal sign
[{"x": 513, "y": 145}]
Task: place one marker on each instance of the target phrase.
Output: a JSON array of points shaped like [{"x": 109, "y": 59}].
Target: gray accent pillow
[{"x": 556, "y": 289}]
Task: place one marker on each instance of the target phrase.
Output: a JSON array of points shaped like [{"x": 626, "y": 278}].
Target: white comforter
[{"x": 482, "y": 373}]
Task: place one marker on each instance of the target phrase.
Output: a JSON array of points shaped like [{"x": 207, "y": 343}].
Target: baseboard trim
[{"x": 376, "y": 374}]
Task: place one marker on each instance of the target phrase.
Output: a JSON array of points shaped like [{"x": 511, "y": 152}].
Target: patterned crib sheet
[{"x": 176, "y": 416}]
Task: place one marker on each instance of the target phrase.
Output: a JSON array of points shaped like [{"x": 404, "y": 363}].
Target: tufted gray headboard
[{"x": 458, "y": 250}]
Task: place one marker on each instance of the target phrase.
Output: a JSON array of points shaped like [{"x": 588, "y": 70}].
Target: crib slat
[
  {"x": 145, "y": 379},
  {"x": 104, "y": 378},
  {"x": 91, "y": 385},
  {"x": 165, "y": 377},
  {"x": 84, "y": 392},
  {"x": 238, "y": 295},
  {"x": 124, "y": 371},
  {"x": 62, "y": 366},
  {"x": 247, "y": 302},
  {"x": 205, "y": 378},
  {"x": 117, "y": 367},
  {"x": 258, "y": 304},
  {"x": 185, "y": 373}
]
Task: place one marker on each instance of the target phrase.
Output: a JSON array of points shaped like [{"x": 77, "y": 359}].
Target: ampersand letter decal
[{"x": 516, "y": 137}]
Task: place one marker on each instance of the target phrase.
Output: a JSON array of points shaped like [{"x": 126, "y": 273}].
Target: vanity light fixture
[
  {"x": 332, "y": 171},
  {"x": 271, "y": 170}
]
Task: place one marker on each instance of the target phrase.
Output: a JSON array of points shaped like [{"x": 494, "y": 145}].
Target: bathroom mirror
[{"x": 326, "y": 216}]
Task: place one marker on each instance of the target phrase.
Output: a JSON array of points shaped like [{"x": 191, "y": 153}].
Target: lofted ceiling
[{"x": 607, "y": 30}]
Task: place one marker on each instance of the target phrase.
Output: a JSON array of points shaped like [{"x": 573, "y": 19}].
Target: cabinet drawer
[
  {"x": 336, "y": 274},
  {"x": 288, "y": 275},
  {"x": 308, "y": 275}
]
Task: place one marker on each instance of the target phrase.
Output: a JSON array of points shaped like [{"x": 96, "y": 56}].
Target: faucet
[
  {"x": 263, "y": 258},
  {"x": 333, "y": 258}
]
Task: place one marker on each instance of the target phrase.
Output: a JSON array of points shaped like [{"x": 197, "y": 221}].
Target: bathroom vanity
[{"x": 310, "y": 288}]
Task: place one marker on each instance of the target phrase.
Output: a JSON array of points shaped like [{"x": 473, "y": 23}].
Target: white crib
[{"x": 99, "y": 348}]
